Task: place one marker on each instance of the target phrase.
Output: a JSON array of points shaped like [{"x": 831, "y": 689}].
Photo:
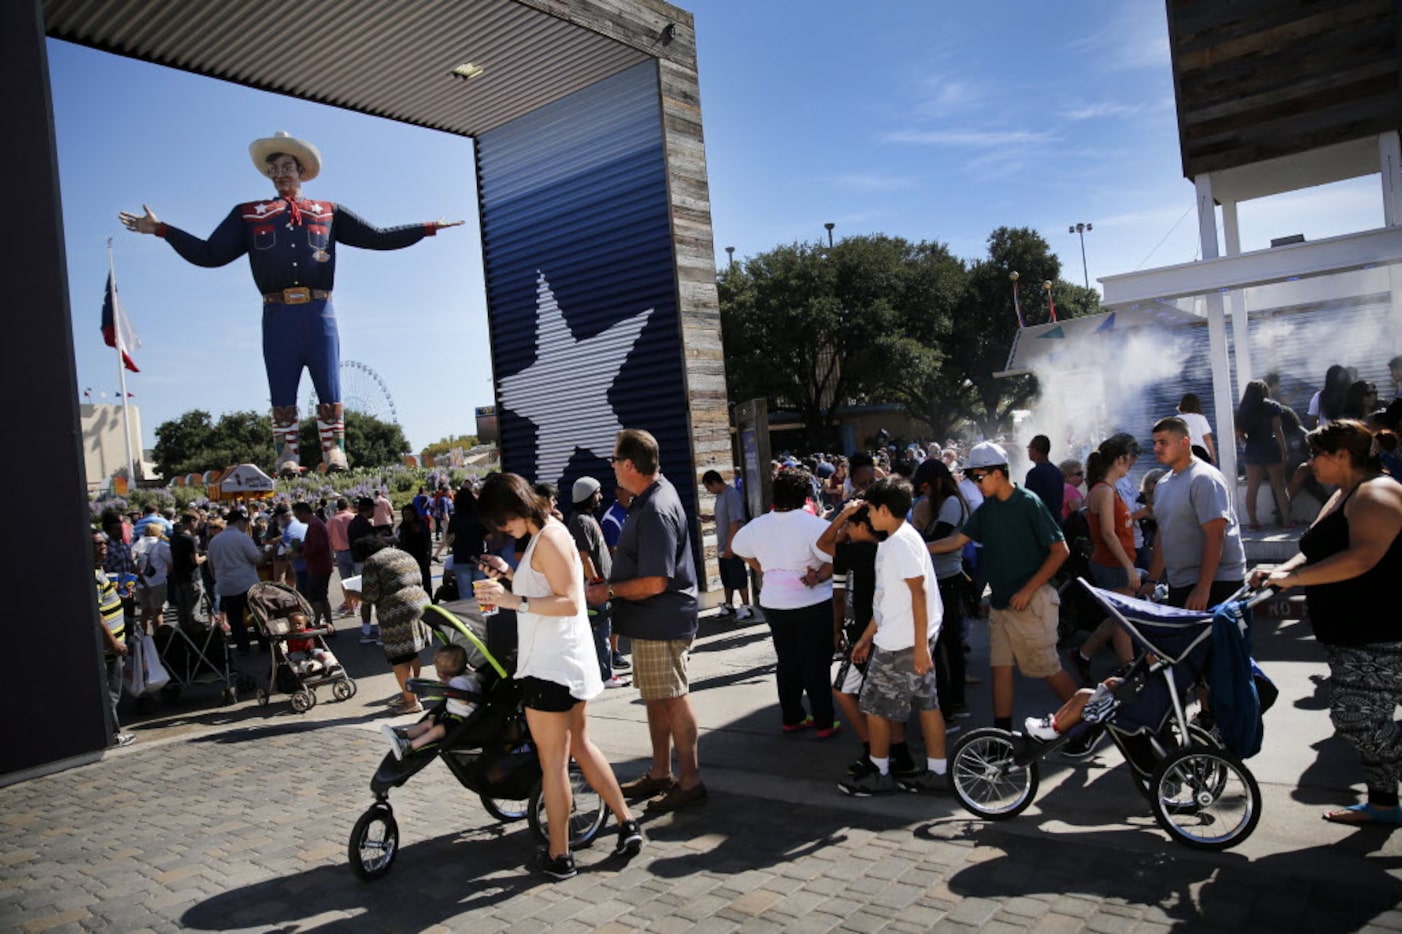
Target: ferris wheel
[{"x": 362, "y": 390}]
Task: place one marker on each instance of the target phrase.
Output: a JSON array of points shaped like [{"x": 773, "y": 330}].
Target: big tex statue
[{"x": 291, "y": 245}]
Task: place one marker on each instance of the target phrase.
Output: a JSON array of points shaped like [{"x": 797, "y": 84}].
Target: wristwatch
[{"x": 524, "y": 606}]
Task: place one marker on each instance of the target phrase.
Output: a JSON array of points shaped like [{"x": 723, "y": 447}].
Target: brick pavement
[{"x": 238, "y": 819}]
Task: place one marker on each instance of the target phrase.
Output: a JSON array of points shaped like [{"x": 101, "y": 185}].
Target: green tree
[
  {"x": 814, "y": 329},
  {"x": 194, "y": 443},
  {"x": 447, "y": 444},
  {"x": 370, "y": 442}
]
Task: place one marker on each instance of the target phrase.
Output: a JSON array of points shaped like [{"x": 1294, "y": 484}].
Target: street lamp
[
  {"x": 730, "y": 252},
  {"x": 829, "y": 225},
  {"x": 1081, "y": 229}
]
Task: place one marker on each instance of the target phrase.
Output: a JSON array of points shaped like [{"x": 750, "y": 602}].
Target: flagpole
[{"x": 122, "y": 375}]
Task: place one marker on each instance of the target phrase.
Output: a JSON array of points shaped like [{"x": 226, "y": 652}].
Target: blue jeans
[
  {"x": 296, "y": 336},
  {"x": 465, "y": 574},
  {"x": 602, "y": 626}
]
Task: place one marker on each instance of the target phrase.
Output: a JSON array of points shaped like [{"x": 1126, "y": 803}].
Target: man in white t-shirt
[{"x": 906, "y": 621}]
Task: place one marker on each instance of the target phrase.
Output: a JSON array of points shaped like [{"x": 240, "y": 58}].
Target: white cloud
[
  {"x": 1135, "y": 36},
  {"x": 971, "y": 139},
  {"x": 1102, "y": 109}
]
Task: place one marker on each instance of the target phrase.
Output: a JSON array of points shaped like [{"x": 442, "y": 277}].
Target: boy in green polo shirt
[{"x": 1023, "y": 546}]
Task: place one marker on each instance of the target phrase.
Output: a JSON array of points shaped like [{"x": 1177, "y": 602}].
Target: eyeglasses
[
  {"x": 283, "y": 168},
  {"x": 617, "y": 460},
  {"x": 978, "y": 477}
]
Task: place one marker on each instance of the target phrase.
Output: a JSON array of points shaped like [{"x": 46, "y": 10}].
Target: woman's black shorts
[{"x": 547, "y": 696}]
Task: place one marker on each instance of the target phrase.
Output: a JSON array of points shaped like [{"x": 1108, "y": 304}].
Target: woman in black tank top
[{"x": 1349, "y": 563}]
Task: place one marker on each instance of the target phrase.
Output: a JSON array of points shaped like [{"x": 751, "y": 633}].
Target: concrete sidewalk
[{"x": 238, "y": 819}]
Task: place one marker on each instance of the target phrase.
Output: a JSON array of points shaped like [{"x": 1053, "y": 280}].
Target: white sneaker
[
  {"x": 398, "y": 743},
  {"x": 745, "y": 612},
  {"x": 1041, "y": 728},
  {"x": 617, "y": 682}
]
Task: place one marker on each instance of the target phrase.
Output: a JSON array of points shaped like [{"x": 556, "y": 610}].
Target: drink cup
[{"x": 484, "y": 603}]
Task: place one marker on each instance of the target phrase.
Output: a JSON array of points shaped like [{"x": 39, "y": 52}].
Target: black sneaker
[
  {"x": 620, "y": 663},
  {"x": 924, "y": 782},
  {"x": 903, "y": 768},
  {"x": 868, "y": 784},
  {"x": 1080, "y": 665},
  {"x": 560, "y": 868},
  {"x": 630, "y": 839},
  {"x": 860, "y": 766}
]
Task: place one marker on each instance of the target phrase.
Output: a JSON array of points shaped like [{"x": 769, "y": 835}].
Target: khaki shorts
[
  {"x": 1028, "y": 636},
  {"x": 659, "y": 668}
]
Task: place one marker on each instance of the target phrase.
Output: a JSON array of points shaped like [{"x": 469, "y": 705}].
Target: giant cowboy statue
[{"x": 291, "y": 245}]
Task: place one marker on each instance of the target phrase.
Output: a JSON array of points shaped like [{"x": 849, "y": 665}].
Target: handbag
[
  {"x": 155, "y": 673},
  {"x": 134, "y": 673}
]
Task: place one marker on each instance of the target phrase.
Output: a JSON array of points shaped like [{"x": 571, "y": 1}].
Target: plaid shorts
[
  {"x": 659, "y": 668},
  {"x": 892, "y": 687}
]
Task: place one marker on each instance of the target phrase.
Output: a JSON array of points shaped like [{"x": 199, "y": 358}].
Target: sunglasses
[{"x": 978, "y": 477}]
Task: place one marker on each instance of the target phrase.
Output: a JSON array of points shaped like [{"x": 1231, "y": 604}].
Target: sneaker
[
  {"x": 1080, "y": 665},
  {"x": 831, "y": 731},
  {"x": 726, "y": 610},
  {"x": 924, "y": 782},
  {"x": 803, "y": 724},
  {"x": 560, "y": 868},
  {"x": 1083, "y": 745},
  {"x": 745, "y": 612},
  {"x": 367, "y": 640},
  {"x": 620, "y": 663},
  {"x": 868, "y": 784},
  {"x": 617, "y": 682},
  {"x": 645, "y": 786},
  {"x": 123, "y": 739},
  {"x": 860, "y": 766},
  {"x": 630, "y": 839},
  {"x": 1041, "y": 728},
  {"x": 676, "y": 798},
  {"x": 398, "y": 742}
]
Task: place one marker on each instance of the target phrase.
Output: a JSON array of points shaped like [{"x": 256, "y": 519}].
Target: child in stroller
[
  {"x": 305, "y": 655},
  {"x": 461, "y": 692},
  {"x": 299, "y": 661}
]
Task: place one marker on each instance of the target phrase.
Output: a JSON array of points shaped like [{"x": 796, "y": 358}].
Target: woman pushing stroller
[{"x": 556, "y": 663}]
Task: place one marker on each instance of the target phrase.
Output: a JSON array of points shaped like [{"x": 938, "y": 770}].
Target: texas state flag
[{"x": 116, "y": 328}]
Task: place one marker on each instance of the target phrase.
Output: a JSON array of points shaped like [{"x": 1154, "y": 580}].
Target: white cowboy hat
[{"x": 305, "y": 153}]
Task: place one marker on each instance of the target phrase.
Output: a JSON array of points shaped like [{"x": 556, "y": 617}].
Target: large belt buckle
[{"x": 297, "y": 296}]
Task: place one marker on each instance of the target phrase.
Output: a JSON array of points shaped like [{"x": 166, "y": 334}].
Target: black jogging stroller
[
  {"x": 490, "y": 752},
  {"x": 1202, "y": 794}
]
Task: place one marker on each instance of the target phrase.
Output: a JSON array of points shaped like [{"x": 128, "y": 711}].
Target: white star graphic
[
  {"x": 564, "y": 393},
  {"x": 260, "y": 208}
]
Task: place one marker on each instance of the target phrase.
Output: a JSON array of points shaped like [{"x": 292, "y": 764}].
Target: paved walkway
[{"x": 237, "y": 819}]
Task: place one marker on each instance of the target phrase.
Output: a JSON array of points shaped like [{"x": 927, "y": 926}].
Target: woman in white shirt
[
  {"x": 797, "y": 601},
  {"x": 556, "y": 664},
  {"x": 1199, "y": 430}
]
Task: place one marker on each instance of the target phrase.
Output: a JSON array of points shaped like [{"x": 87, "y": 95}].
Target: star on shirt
[{"x": 565, "y": 392}]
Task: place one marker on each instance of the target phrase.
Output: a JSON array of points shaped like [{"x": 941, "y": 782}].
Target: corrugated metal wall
[{"x": 581, "y": 284}]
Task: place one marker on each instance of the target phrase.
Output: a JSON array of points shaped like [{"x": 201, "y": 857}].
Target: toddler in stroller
[
  {"x": 299, "y": 661},
  {"x": 305, "y": 655},
  {"x": 461, "y": 692}
]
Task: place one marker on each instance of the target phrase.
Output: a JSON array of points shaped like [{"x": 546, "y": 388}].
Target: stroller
[
  {"x": 198, "y": 655},
  {"x": 1202, "y": 795},
  {"x": 490, "y": 752},
  {"x": 271, "y": 604}
]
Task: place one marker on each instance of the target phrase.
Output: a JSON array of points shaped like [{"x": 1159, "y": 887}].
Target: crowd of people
[{"x": 879, "y": 560}]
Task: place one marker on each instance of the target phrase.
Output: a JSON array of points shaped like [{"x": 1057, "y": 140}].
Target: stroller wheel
[
  {"x": 343, "y": 689},
  {"x": 506, "y": 809},
  {"x": 1205, "y": 798},
  {"x": 262, "y": 697},
  {"x": 303, "y": 700},
  {"x": 374, "y": 842},
  {"x": 986, "y": 777},
  {"x": 587, "y": 812}
]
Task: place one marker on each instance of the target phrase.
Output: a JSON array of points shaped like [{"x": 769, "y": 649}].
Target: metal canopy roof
[{"x": 390, "y": 58}]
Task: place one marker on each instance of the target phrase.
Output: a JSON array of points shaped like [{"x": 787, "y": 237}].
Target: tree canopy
[
  {"x": 195, "y": 442},
  {"x": 877, "y": 319}
]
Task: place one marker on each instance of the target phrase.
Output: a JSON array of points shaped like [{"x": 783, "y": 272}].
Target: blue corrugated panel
[{"x": 581, "y": 284}]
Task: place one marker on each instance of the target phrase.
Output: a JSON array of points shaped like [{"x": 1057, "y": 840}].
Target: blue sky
[{"x": 927, "y": 121}]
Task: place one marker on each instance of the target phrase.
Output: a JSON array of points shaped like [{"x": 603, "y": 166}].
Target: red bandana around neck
[{"x": 295, "y": 210}]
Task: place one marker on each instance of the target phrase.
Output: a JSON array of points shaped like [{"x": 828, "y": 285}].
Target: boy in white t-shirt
[
  {"x": 901, "y": 673},
  {"x": 450, "y": 662}
]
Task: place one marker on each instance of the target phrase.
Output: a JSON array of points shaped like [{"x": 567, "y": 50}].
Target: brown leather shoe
[
  {"x": 645, "y": 786},
  {"x": 676, "y": 798}
]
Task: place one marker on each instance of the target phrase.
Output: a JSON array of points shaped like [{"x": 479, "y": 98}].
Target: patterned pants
[{"x": 1366, "y": 687}]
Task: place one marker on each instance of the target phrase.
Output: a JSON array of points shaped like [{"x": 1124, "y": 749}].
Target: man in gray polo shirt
[
  {"x": 653, "y": 593},
  {"x": 1199, "y": 543}
]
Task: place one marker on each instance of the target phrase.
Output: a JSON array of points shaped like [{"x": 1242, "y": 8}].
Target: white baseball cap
[{"x": 986, "y": 454}]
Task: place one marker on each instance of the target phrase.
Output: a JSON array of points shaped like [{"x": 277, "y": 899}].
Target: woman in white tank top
[{"x": 556, "y": 663}]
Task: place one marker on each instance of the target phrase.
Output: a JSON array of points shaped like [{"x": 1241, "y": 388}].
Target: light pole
[
  {"x": 829, "y": 225},
  {"x": 1081, "y": 229},
  {"x": 730, "y": 252}
]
